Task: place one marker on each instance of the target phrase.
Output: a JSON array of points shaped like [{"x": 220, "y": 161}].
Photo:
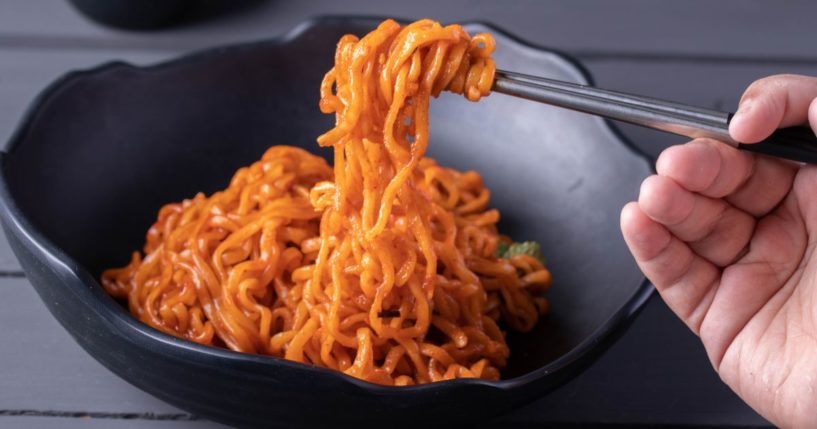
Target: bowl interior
[{"x": 107, "y": 148}]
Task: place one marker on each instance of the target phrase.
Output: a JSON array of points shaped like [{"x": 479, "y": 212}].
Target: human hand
[{"x": 728, "y": 237}]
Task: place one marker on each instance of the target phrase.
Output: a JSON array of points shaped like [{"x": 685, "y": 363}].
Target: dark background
[{"x": 700, "y": 52}]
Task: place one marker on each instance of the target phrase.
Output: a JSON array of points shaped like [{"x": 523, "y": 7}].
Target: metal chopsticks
[{"x": 795, "y": 143}]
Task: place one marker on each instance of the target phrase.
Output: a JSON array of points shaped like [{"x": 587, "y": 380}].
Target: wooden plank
[
  {"x": 48, "y": 371},
  {"x": 9, "y": 266},
  {"x": 695, "y": 28},
  {"x": 25, "y": 422}
]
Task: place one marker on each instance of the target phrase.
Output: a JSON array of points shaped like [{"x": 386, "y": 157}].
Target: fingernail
[
  {"x": 744, "y": 108},
  {"x": 737, "y": 119}
]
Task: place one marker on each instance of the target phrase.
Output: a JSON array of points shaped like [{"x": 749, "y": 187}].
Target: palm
[
  {"x": 725, "y": 237},
  {"x": 770, "y": 362}
]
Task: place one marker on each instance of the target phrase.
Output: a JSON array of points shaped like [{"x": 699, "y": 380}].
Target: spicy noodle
[{"x": 386, "y": 266}]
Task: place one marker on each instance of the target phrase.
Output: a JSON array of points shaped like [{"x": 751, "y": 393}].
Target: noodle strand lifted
[{"x": 383, "y": 266}]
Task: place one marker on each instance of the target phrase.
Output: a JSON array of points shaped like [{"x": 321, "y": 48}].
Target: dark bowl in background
[
  {"x": 101, "y": 150},
  {"x": 134, "y": 14}
]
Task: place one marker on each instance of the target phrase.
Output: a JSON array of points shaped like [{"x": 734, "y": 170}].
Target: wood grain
[{"x": 56, "y": 422}]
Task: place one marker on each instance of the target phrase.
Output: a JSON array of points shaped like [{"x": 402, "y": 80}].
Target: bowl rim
[{"x": 574, "y": 361}]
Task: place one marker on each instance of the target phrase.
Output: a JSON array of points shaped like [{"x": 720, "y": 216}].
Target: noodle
[{"x": 382, "y": 266}]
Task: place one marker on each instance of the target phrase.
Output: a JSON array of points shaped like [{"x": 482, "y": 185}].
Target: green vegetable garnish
[
  {"x": 531, "y": 248},
  {"x": 501, "y": 249}
]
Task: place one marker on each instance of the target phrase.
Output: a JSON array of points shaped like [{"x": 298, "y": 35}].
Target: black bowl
[
  {"x": 103, "y": 149},
  {"x": 134, "y": 14}
]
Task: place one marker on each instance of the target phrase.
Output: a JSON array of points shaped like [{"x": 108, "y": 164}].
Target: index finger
[{"x": 754, "y": 184}]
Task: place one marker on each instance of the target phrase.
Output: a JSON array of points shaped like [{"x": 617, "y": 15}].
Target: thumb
[{"x": 774, "y": 102}]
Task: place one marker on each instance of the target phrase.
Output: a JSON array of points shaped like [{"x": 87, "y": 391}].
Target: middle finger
[{"x": 713, "y": 228}]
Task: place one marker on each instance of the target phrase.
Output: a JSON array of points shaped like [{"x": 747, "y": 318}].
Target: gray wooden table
[{"x": 700, "y": 52}]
